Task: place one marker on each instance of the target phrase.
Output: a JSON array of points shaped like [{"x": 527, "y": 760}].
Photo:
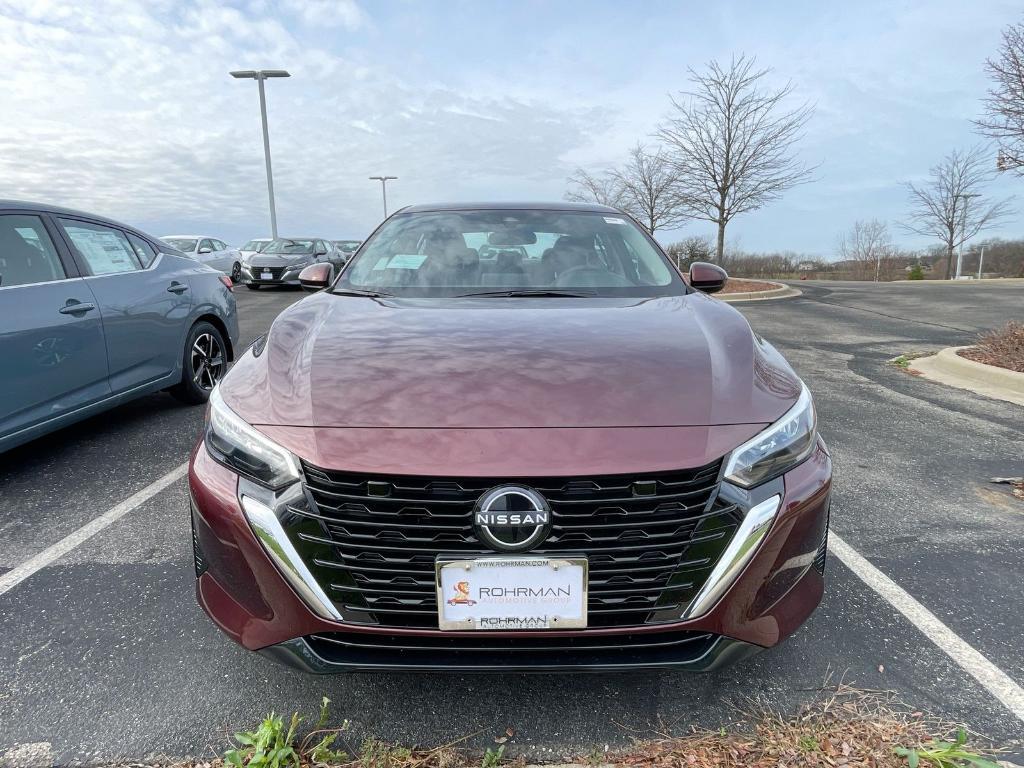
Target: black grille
[
  {"x": 651, "y": 540},
  {"x": 275, "y": 272},
  {"x": 819, "y": 558},
  {"x": 531, "y": 651},
  {"x": 199, "y": 560}
]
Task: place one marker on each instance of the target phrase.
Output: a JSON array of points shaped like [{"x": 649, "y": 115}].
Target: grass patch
[
  {"x": 842, "y": 727},
  {"x": 903, "y": 361}
]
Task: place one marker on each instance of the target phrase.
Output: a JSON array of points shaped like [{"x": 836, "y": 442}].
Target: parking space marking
[
  {"x": 991, "y": 677},
  {"x": 56, "y": 551}
]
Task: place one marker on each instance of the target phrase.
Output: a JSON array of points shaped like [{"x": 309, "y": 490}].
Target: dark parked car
[
  {"x": 282, "y": 260},
  {"x": 94, "y": 313},
  {"x": 558, "y": 457}
]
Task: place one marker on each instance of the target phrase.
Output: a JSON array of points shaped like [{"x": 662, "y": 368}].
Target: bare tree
[
  {"x": 867, "y": 244},
  {"x": 648, "y": 182},
  {"x": 603, "y": 189},
  {"x": 1004, "y": 104},
  {"x": 732, "y": 142},
  {"x": 950, "y": 205}
]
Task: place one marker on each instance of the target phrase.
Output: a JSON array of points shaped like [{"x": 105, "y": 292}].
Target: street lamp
[
  {"x": 259, "y": 76},
  {"x": 384, "y": 189},
  {"x": 963, "y": 232}
]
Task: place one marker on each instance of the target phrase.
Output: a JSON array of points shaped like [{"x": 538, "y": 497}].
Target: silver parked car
[
  {"x": 209, "y": 251},
  {"x": 94, "y": 313},
  {"x": 282, "y": 260}
]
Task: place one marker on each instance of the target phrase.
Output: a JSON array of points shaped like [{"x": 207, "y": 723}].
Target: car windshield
[
  {"x": 510, "y": 252},
  {"x": 284, "y": 245},
  {"x": 347, "y": 245},
  {"x": 255, "y": 245},
  {"x": 186, "y": 244}
]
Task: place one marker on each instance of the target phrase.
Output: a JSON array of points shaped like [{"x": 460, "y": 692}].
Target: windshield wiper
[
  {"x": 553, "y": 292},
  {"x": 358, "y": 292}
]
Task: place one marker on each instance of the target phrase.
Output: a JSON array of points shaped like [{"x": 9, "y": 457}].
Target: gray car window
[
  {"x": 105, "y": 250},
  {"x": 143, "y": 250},
  {"x": 27, "y": 254},
  {"x": 206, "y": 244}
]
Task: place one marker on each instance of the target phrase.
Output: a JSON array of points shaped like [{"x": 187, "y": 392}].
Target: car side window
[
  {"x": 27, "y": 254},
  {"x": 142, "y": 249},
  {"x": 205, "y": 244},
  {"x": 106, "y": 250},
  {"x": 220, "y": 245}
]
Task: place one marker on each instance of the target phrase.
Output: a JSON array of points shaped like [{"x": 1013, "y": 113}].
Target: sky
[{"x": 126, "y": 109}]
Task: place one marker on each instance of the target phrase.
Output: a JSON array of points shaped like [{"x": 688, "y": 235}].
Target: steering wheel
[{"x": 604, "y": 277}]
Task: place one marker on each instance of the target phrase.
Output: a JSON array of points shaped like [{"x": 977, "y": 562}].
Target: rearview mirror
[
  {"x": 315, "y": 277},
  {"x": 707, "y": 278}
]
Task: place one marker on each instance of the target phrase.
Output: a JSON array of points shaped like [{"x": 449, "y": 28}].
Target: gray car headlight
[
  {"x": 240, "y": 447},
  {"x": 778, "y": 449}
]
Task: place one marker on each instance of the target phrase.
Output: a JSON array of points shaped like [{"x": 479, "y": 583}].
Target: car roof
[
  {"x": 191, "y": 237},
  {"x": 28, "y": 205},
  {"x": 538, "y": 206}
]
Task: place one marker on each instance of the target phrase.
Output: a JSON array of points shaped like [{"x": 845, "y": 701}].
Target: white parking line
[
  {"x": 21, "y": 572},
  {"x": 991, "y": 677}
]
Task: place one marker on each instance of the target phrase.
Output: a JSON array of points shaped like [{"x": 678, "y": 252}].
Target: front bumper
[
  {"x": 251, "y": 275},
  {"x": 247, "y": 596}
]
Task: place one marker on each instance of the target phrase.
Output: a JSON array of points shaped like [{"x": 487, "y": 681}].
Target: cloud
[
  {"x": 328, "y": 13},
  {"x": 140, "y": 121}
]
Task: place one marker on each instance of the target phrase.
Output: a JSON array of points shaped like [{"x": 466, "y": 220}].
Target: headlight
[
  {"x": 233, "y": 442},
  {"x": 782, "y": 446}
]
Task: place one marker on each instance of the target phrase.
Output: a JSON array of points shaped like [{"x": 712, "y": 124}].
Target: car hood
[{"x": 338, "y": 361}]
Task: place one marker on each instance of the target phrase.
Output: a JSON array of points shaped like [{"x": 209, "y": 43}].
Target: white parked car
[
  {"x": 210, "y": 251},
  {"x": 254, "y": 246}
]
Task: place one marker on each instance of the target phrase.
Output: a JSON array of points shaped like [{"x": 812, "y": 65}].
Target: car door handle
[
  {"x": 177, "y": 287},
  {"x": 74, "y": 307}
]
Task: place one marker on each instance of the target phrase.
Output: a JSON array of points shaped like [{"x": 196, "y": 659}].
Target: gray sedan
[
  {"x": 94, "y": 313},
  {"x": 281, "y": 261}
]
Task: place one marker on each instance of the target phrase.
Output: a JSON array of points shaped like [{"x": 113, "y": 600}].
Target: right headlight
[
  {"x": 778, "y": 449},
  {"x": 237, "y": 445}
]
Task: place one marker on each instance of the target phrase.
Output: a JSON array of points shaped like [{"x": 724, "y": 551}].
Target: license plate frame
[
  {"x": 266, "y": 275},
  {"x": 566, "y": 608}
]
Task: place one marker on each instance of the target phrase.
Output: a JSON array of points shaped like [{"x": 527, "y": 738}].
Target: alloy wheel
[{"x": 207, "y": 361}]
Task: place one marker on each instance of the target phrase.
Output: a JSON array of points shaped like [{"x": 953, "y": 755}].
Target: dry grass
[
  {"x": 843, "y": 727},
  {"x": 1003, "y": 348}
]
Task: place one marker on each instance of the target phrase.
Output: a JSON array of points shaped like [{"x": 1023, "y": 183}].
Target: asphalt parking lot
[{"x": 106, "y": 654}]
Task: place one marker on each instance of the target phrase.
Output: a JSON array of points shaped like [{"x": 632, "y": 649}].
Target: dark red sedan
[{"x": 510, "y": 437}]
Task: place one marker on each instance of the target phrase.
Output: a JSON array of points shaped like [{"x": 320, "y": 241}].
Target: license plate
[
  {"x": 267, "y": 275},
  {"x": 503, "y": 593}
]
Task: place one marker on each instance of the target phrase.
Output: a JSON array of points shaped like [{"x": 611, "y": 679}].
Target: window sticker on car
[
  {"x": 613, "y": 220},
  {"x": 407, "y": 261}
]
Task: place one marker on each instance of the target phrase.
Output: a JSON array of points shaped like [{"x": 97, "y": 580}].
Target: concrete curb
[
  {"x": 947, "y": 367},
  {"x": 782, "y": 292}
]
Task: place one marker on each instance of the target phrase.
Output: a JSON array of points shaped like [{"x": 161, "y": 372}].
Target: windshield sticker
[
  {"x": 407, "y": 261},
  {"x": 612, "y": 220}
]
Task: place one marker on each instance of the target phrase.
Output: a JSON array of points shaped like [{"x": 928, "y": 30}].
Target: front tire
[
  {"x": 203, "y": 363},
  {"x": 236, "y": 272}
]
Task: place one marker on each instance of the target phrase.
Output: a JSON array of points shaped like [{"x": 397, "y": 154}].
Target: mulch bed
[
  {"x": 738, "y": 285},
  {"x": 1003, "y": 348}
]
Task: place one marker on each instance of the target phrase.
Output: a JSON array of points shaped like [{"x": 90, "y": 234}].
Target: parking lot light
[
  {"x": 384, "y": 189},
  {"x": 259, "y": 76}
]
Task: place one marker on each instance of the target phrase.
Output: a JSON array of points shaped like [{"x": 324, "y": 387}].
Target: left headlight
[
  {"x": 236, "y": 444},
  {"x": 778, "y": 449}
]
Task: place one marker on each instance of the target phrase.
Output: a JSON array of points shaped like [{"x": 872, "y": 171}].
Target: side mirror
[
  {"x": 315, "y": 277},
  {"x": 206, "y": 250},
  {"x": 707, "y": 278}
]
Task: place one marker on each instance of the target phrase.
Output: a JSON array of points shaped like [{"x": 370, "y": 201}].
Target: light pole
[
  {"x": 259, "y": 76},
  {"x": 384, "y": 189},
  {"x": 963, "y": 232}
]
